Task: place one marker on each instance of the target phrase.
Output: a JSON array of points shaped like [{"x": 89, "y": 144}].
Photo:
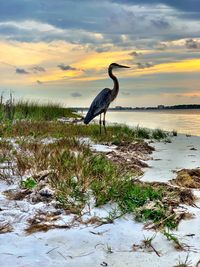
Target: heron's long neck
[{"x": 115, "y": 89}]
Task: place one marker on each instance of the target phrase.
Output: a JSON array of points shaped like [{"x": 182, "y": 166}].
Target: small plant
[
  {"x": 9, "y": 108},
  {"x": 29, "y": 183},
  {"x": 158, "y": 134},
  {"x": 148, "y": 244},
  {"x": 148, "y": 240},
  {"x": 167, "y": 140},
  {"x": 113, "y": 215},
  {"x": 109, "y": 249},
  {"x": 174, "y": 133},
  {"x": 142, "y": 133},
  {"x": 186, "y": 263},
  {"x": 173, "y": 238}
]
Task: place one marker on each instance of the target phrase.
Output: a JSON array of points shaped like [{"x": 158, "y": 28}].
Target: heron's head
[{"x": 117, "y": 66}]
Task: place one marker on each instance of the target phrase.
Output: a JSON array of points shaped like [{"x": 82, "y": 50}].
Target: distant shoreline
[{"x": 159, "y": 108}]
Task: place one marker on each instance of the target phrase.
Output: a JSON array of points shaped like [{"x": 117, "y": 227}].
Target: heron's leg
[
  {"x": 104, "y": 122},
  {"x": 100, "y": 123}
]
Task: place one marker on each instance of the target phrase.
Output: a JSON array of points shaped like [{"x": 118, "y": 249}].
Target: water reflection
[{"x": 183, "y": 121}]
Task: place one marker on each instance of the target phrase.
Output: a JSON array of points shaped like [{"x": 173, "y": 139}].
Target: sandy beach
[
  {"x": 117, "y": 244},
  {"x": 100, "y": 133}
]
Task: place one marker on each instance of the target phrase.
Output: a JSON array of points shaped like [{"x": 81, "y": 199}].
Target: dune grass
[
  {"x": 75, "y": 172},
  {"x": 28, "y": 118},
  {"x": 116, "y": 134},
  {"x": 31, "y": 110},
  {"x": 76, "y": 175}
]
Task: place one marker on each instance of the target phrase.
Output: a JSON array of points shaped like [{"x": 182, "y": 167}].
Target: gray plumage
[
  {"x": 102, "y": 101},
  {"x": 99, "y": 105}
]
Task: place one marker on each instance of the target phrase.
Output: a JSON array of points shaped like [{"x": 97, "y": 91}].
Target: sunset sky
[{"x": 59, "y": 50}]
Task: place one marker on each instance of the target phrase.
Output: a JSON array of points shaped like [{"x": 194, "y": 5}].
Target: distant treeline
[
  {"x": 168, "y": 107},
  {"x": 183, "y": 107},
  {"x": 159, "y": 107}
]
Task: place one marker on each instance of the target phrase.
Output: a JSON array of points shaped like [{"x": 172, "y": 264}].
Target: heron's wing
[
  {"x": 101, "y": 101},
  {"x": 99, "y": 104}
]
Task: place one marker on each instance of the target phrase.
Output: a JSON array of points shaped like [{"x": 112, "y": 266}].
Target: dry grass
[
  {"x": 44, "y": 227},
  {"x": 43, "y": 222},
  {"x": 75, "y": 174},
  {"x": 189, "y": 178},
  {"x": 132, "y": 156},
  {"x": 6, "y": 228},
  {"x": 16, "y": 194}
]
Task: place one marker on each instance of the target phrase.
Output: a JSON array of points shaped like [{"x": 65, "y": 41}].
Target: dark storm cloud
[
  {"x": 37, "y": 69},
  {"x": 102, "y": 49},
  {"x": 23, "y": 9},
  {"x": 77, "y": 21},
  {"x": 164, "y": 56},
  {"x": 160, "y": 46},
  {"x": 134, "y": 53},
  {"x": 65, "y": 67},
  {"x": 192, "y": 44},
  {"x": 21, "y": 71},
  {"x": 160, "y": 23},
  {"x": 144, "y": 65},
  {"x": 185, "y": 5},
  {"x": 76, "y": 94},
  {"x": 64, "y": 14}
]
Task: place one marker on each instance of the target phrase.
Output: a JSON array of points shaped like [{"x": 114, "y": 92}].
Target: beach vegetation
[
  {"x": 29, "y": 183},
  {"x": 76, "y": 175},
  {"x": 174, "y": 133},
  {"x": 158, "y": 134},
  {"x": 36, "y": 142},
  {"x": 186, "y": 263},
  {"x": 31, "y": 110}
]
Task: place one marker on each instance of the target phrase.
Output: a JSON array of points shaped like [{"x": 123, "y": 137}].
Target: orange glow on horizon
[{"x": 49, "y": 55}]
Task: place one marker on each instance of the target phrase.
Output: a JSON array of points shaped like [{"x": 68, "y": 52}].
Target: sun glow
[{"x": 86, "y": 65}]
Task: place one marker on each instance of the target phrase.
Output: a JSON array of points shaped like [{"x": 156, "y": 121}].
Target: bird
[{"x": 102, "y": 101}]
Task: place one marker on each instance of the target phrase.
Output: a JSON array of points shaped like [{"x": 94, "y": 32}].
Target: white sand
[
  {"x": 170, "y": 157},
  {"x": 79, "y": 247}
]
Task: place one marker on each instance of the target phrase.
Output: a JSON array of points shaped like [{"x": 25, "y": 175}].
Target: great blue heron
[{"x": 102, "y": 101}]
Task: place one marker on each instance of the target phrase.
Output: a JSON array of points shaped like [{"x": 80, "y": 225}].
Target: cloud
[
  {"x": 160, "y": 46},
  {"x": 135, "y": 54},
  {"x": 192, "y": 44},
  {"x": 160, "y": 23},
  {"x": 21, "y": 71},
  {"x": 39, "y": 82},
  {"x": 184, "y": 5},
  {"x": 76, "y": 94},
  {"x": 144, "y": 65},
  {"x": 30, "y": 30},
  {"x": 103, "y": 23},
  {"x": 125, "y": 93},
  {"x": 65, "y": 67},
  {"x": 101, "y": 48},
  {"x": 37, "y": 69},
  {"x": 31, "y": 25}
]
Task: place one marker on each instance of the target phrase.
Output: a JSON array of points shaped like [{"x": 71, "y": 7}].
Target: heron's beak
[{"x": 122, "y": 66}]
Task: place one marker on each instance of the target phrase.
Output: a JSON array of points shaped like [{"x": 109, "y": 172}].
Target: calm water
[{"x": 183, "y": 121}]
